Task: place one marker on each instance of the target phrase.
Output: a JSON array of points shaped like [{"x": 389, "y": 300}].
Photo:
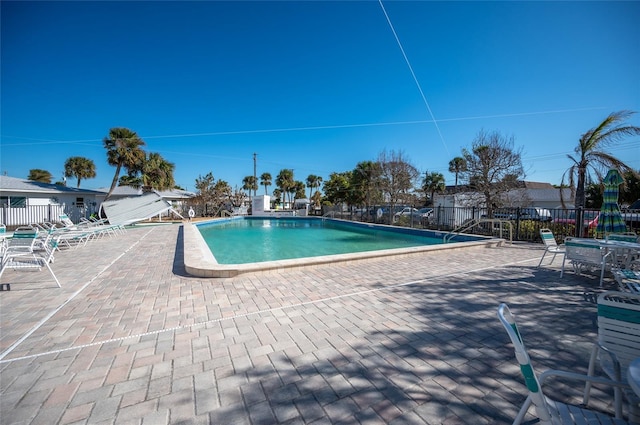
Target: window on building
[
  {"x": 13, "y": 201},
  {"x": 80, "y": 202}
]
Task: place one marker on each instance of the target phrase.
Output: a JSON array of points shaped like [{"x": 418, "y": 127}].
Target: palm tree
[
  {"x": 277, "y": 194},
  {"x": 365, "y": 179},
  {"x": 432, "y": 183},
  {"x": 285, "y": 182},
  {"x": 38, "y": 175},
  {"x": 130, "y": 180},
  {"x": 313, "y": 181},
  {"x": 265, "y": 180},
  {"x": 79, "y": 167},
  {"x": 297, "y": 190},
  {"x": 457, "y": 165},
  {"x": 250, "y": 183},
  {"x": 123, "y": 150},
  {"x": 157, "y": 172},
  {"x": 590, "y": 154}
]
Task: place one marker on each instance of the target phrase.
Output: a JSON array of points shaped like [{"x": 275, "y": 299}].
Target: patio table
[
  {"x": 624, "y": 252},
  {"x": 614, "y": 255}
]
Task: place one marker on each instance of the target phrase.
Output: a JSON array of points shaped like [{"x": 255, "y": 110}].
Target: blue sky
[{"x": 312, "y": 86}]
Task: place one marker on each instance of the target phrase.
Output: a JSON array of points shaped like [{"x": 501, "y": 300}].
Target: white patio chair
[
  {"x": 550, "y": 411},
  {"x": 23, "y": 240},
  {"x": 3, "y": 238},
  {"x": 625, "y": 237},
  {"x": 66, "y": 221},
  {"x": 629, "y": 279},
  {"x": 585, "y": 254},
  {"x": 617, "y": 345},
  {"x": 550, "y": 246},
  {"x": 25, "y": 254}
]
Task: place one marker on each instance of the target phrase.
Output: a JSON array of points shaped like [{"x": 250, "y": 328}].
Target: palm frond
[{"x": 572, "y": 159}]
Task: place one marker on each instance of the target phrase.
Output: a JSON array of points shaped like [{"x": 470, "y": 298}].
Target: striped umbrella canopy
[{"x": 610, "y": 219}]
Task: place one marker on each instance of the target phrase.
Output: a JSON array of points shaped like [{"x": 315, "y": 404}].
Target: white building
[{"x": 23, "y": 201}]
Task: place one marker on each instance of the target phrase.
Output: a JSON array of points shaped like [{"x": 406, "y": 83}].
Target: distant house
[
  {"x": 458, "y": 205},
  {"x": 528, "y": 194},
  {"x": 24, "y": 202}
]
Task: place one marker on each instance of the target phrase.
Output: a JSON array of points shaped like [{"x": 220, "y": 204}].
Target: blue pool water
[{"x": 253, "y": 240}]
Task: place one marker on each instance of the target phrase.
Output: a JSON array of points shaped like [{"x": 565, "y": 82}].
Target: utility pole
[{"x": 255, "y": 177}]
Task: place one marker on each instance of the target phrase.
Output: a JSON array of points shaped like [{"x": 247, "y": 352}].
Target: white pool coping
[{"x": 199, "y": 261}]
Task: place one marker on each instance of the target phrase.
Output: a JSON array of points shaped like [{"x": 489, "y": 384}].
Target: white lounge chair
[
  {"x": 550, "y": 411},
  {"x": 22, "y": 254},
  {"x": 64, "y": 219},
  {"x": 3, "y": 238},
  {"x": 551, "y": 246}
]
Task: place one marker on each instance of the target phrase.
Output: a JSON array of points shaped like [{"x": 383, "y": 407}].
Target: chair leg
[
  {"x": 545, "y": 253},
  {"x": 523, "y": 411},
  {"x": 46, "y": 263},
  {"x": 590, "y": 372},
  {"x": 634, "y": 411},
  {"x": 617, "y": 402}
]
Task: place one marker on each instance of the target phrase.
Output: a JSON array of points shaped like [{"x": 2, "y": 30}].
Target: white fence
[{"x": 23, "y": 216}]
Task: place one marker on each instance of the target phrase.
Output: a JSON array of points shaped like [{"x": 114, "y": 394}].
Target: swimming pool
[
  {"x": 254, "y": 240},
  {"x": 301, "y": 241}
]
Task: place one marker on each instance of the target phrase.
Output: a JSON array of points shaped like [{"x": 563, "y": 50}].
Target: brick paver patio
[{"x": 131, "y": 339}]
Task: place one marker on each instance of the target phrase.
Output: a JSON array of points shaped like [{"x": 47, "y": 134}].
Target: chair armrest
[
  {"x": 614, "y": 360},
  {"x": 580, "y": 377}
]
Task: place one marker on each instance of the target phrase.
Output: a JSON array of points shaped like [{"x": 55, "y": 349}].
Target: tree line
[
  {"x": 125, "y": 152},
  {"x": 491, "y": 167}
]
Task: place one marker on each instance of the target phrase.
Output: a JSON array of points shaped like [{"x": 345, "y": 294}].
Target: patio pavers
[{"x": 131, "y": 339}]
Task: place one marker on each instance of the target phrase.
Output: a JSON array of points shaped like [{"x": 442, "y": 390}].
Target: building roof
[
  {"x": 23, "y": 186},
  {"x": 17, "y": 185},
  {"x": 176, "y": 194},
  {"x": 537, "y": 185},
  {"x": 136, "y": 208},
  {"x": 521, "y": 184},
  {"x": 125, "y": 191},
  {"x": 552, "y": 194}
]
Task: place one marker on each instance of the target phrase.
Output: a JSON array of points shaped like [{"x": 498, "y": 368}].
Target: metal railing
[
  {"x": 524, "y": 227},
  {"x": 483, "y": 222}
]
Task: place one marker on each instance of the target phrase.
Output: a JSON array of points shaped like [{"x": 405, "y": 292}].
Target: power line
[
  {"x": 91, "y": 142},
  {"x": 415, "y": 79}
]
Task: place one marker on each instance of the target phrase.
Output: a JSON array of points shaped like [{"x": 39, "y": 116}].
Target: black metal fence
[{"x": 525, "y": 222}]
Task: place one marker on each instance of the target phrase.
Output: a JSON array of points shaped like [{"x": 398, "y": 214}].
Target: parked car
[
  {"x": 631, "y": 215},
  {"x": 526, "y": 213},
  {"x": 535, "y": 213},
  {"x": 416, "y": 215},
  {"x": 590, "y": 219},
  {"x": 425, "y": 212}
]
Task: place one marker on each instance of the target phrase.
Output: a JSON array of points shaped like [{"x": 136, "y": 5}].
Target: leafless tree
[
  {"x": 398, "y": 176},
  {"x": 494, "y": 167}
]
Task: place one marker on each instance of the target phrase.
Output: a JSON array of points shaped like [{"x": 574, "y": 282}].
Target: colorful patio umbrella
[{"x": 610, "y": 219}]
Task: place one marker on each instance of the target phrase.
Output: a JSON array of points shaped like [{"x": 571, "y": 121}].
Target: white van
[{"x": 535, "y": 213}]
